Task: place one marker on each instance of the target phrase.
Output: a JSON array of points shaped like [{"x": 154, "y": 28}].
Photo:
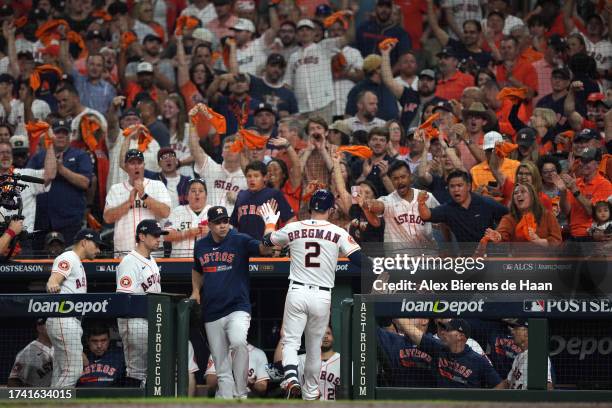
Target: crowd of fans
[{"x": 488, "y": 119}]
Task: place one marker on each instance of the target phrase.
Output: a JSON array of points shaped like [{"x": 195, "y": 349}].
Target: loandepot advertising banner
[{"x": 496, "y": 270}]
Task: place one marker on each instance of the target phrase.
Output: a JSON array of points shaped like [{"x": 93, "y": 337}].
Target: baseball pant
[
  {"x": 65, "y": 334},
  {"x": 307, "y": 310},
  {"x": 229, "y": 335},
  {"x": 134, "y": 335}
]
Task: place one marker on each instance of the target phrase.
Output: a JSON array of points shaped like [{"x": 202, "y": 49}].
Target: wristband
[
  {"x": 11, "y": 233},
  {"x": 144, "y": 196},
  {"x": 271, "y": 226}
]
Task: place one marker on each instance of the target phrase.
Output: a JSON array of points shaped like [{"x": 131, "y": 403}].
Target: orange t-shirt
[
  {"x": 293, "y": 195},
  {"x": 412, "y": 16},
  {"x": 133, "y": 89},
  {"x": 191, "y": 95},
  {"x": 453, "y": 87},
  {"x": 598, "y": 189},
  {"x": 524, "y": 72}
]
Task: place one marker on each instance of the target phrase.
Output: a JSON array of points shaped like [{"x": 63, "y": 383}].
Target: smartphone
[{"x": 355, "y": 191}]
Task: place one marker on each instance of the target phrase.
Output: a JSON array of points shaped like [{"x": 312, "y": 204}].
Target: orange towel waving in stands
[
  {"x": 387, "y": 43},
  {"x": 48, "y": 31},
  {"x": 340, "y": 16},
  {"x": 185, "y": 22},
  {"x": 144, "y": 136},
  {"x": 202, "y": 117},
  {"x": 504, "y": 149},
  {"x": 427, "y": 126},
  {"x": 249, "y": 139},
  {"x": 363, "y": 152},
  {"x": 36, "y": 130},
  {"x": 35, "y": 75},
  {"x": 514, "y": 94}
]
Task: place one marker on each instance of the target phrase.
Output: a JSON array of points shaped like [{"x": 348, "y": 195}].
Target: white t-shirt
[
  {"x": 34, "y": 365},
  {"x": 314, "y": 246},
  {"x": 137, "y": 274},
  {"x": 28, "y": 197},
  {"x": 183, "y": 218},
  {"x": 257, "y": 366},
  {"x": 171, "y": 185},
  {"x": 343, "y": 86},
  {"x": 69, "y": 265},
  {"x": 116, "y": 174},
  {"x": 414, "y": 85},
  {"x": 517, "y": 376},
  {"x": 402, "y": 220},
  {"x": 309, "y": 74},
  {"x": 252, "y": 57},
  {"x": 219, "y": 182},
  {"x": 329, "y": 379},
  {"x": 125, "y": 227}
]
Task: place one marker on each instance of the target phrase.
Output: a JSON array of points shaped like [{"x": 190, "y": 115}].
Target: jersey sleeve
[
  {"x": 348, "y": 244},
  {"x": 430, "y": 344},
  {"x": 280, "y": 238},
  {"x": 260, "y": 361},
  {"x": 286, "y": 212},
  {"x": 126, "y": 276},
  {"x": 210, "y": 367},
  {"x": 387, "y": 202},
  {"x": 62, "y": 265},
  {"x": 192, "y": 365},
  {"x": 21, "y": 368},
  {"x": 252, "y": 245}
]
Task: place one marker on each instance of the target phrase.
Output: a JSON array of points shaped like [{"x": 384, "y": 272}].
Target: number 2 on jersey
[{"x": 309, "y": 262}]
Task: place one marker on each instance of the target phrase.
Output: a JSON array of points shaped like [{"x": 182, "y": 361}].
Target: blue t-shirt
[
  {"x": 223, "y": 107},
  {"x": 225, "y": 269},
  {"x": 280, "y": 98},
  {"x": 407, "y": 365},
  {"x": 65, "y": 203},
  {"x": 245, "y": 218},
  {"x": 501, "y": 346},
  {"x": 467, "y": 369},
  {"x": 105, "y": 371}
]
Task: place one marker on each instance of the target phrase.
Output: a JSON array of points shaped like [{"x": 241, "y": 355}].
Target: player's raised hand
[{"x": 268, "y": 213}]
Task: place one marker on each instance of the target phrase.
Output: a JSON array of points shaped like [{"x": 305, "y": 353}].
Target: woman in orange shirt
[
  {"x": 526, "y": 173},
  {"x": 281, "y": 177},
  {"x": 528, "y": 221},
  {"x": 192, "y": 79}
]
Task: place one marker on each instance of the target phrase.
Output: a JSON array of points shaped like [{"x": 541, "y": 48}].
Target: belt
[{"x": 311, "y": 286}]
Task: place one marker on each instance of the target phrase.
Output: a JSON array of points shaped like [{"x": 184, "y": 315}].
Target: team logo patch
[
  {"x": 125, "y": 282},
  {"x": 64, "y": 265},
  {"x": 351, "y": 240}
]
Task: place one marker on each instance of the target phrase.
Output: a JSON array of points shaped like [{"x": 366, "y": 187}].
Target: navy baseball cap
[
  {"x": 61, "y": 124},
  {"x": 321, "y": 200},
  {"x": 133, "y": 154},
  {"x": 129, "y": 112},
  {"x": 526, "y": 136},
  {"x": 264, "y": 107},
  {"x": 447, "y": 52},
  {"x": 152, "y": 37},
  {"x": 217, "y": 213},
  {"x": 90, "y": 235},
  {"x": 150, "y": 227},
  {"x": 444, "y": 105},
  {"x": 460, "y": 325},
  {"x": 586, "y": 135},
  {"x": 323, "y": 10},
  {"x": 518, "y": 323}
]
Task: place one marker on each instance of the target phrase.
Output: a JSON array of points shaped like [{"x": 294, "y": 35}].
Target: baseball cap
[
  {"x": 151, "y": 37},
  {"x": 19, "y": 143},
  {"x": 262, "y": 106},
  {"x": 428, "y": 73},
  {"x": 244, "y": 24},
  {"x": 89, "y": 234},
  {"x": 305, "y": 23},
  {"x": 518, "y": 323},
  {"x": 490, "y": 139},
  {"x": 526, "y": 136},
  {"x": 129, "y": 112},
  {"x": 460, "y": 325},
  {"x": 586, "y": 135},
  {"x": 557, "y": 42},
  {"x": 61, "y": 124},
  {"x": 448, "y": 52},
  {"x": 244, "y": 5},
  {"x": 444, "y": 105},
  {"x": 6, "y": 78},
  {"x": 165, "y": 150},
  {"x": 203, "y": 34},
  {"x": 589, "y": 154},
  {"x": 54, "y": 236},
  {"x": 150, "y": 227},
  {"x": 276, "y": 59},
  {"x": 94, "y": 34},
  {"x": 341, "y": 126},
  {"x": 323, "y": 10},
  {"x": 598, "y": 97},
  {"x": 562, "y": 72},
  {"x": 371, "y": 63},
  {"x": 217, "y": 213},
  {"x": 133, "y": 154},
  {"x": 144, "y": 67}
]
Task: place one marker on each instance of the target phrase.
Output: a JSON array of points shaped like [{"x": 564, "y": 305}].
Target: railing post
[
  {"x": 537, "y": 359},
  {"x": 346, "y": 358},
  {"x": 183, "y": 311}
]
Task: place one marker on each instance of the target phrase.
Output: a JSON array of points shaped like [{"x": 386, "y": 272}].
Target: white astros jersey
[
  {"x": 219, "y": 182},
  {"x": 34, "y": 365},
  {"x": 329, "y": 379},
  {"x": 314, "y": 247},
  {"x": 402, "y": 220},
  {"x": 69, "y": 265},
  {"x": 309, "y": 74},
  {"x": 183, "y": 218},
  {"x": 125, "y": 227},
  {"x": 252, "y": 57},
  {"x": 517, "y": 376},
  {"x": 137, "y": 274},
  {"x": 257, "y": 366}
]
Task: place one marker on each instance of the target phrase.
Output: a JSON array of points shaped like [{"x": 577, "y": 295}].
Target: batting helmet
[{"x": 321, "y": 201}]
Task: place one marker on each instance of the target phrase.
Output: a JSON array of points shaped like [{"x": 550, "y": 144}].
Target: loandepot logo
[
  {"x": 442, "y": 306},
  {"x": 67, "y": 306}
]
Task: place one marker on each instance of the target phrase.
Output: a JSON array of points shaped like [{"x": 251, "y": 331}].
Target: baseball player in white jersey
[
  {"x": 517, "y": 376},
  {"x": 134, "y": 200},
  {"x": 138, "y": 273},
  {"x": 329, "y": 377},
  {"x": 33, "y": 365},
  {"x": 258, "y": 377},
  {"x": 223, "y": 181},
  {"x": 400, "y": 209},
  {"x": 68, "y": 276},
  {"x": 188, "y": 223},
  {"x": 315, "y": 245},
  {"x": 192, "y": 367},
  {"x": 309, "y": 68}
]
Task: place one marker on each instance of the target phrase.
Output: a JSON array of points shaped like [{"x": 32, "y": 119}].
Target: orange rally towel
[
  {"x": 363, "y": 152},
  {"x": 46, "y": 32},
  {"x": 249, "y": 139},
  {"x": 337, "y": 16},
  {"x": 514, "y": 94},
  {"x": 527, "y": 222},
  {"x": 36, "y": 130},
  {"x": 504, "y": 149},
  {"x": 21, "y": 21},
  {"x": 187, "y": 22},
  {"x": 144, "y": 136},
  {"x": 127, "y": 39},
  {"x": 207, "y": 117},
  {"x": 35, "y": 75},
  {"x": 386, "y": 43},
  {"x": 338, "y": 63},
  {"x": 430, "y": 131}
]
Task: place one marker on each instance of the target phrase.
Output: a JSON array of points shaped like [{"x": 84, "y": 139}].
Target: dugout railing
[
  {"x": 360, "y": 357},
  {"x": 168, "y": 318}
]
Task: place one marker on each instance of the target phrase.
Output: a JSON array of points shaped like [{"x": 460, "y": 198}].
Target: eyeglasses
[{"x": 167, "y": 156}]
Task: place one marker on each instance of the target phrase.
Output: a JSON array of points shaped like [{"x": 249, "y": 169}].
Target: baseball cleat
[{"x": 294, "y": 391}]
